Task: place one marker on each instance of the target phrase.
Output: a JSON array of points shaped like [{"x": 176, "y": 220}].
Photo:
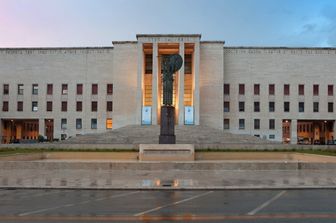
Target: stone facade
[{"x": 212, "y": 65}]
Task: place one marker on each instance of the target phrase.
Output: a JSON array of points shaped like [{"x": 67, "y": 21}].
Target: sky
[{"x": 78, "y": 23}]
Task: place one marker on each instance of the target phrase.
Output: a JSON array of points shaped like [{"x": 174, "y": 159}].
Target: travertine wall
[
  {"x": 211, "y": 84},
  {"x": 125, "y": 84},
  {"x": 118, "y": 65}
]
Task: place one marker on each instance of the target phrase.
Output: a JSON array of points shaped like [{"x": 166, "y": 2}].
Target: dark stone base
[
  {"x": 167, "y": 139},
  {"x": 167, "y": 126}
]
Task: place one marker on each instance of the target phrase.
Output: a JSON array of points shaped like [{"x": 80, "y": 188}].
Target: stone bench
[{"x": 166, "y": 152}]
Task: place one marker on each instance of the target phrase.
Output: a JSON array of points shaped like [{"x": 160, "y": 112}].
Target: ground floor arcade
[
  {"x": 308, "y": 131},
  {"x": 26, "y": 130}
]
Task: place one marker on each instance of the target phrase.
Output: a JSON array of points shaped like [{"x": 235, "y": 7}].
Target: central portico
[{"x": 149, "y": 76}]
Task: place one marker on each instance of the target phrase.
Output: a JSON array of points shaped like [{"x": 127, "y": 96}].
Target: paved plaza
[{"x": 162, "y": 206}]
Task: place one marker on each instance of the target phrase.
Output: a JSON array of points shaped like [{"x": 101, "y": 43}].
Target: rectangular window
[
  {"x": 226, "y": 106},
  {"x": 148, "y": 63},
  {"x": 271, "y": 89},
  {"x": 301, "y": 89},
  {"x": 79, "y": 106},
  {"x": 256, "y": 124},
  {"x": 49, "y": 89},
  {"x": 241, "y": 123},
  {"x": 64, "y": 106},
  {"x": 94, "y": 106},
  {"x": 20, "y": 106},
  {"x": 226, "y": 89},
  {"x": 271, "y": 136},
  {"x": 63, "y": 123},
  {"x": 330, "y": 90},
  {"x": 315, "y": 89},
  {"x": 78, "y": 123},
  {"x": 241, "y": 89},
  {"x": 79, "y": 89},
  {"x": 35, "y": 89},
  {"x": 94, "y": 90},
  {"x": 330, "y": 107},
  {"x": 109, "y": 123},
  {"x": 271, "y": 106},
  {"x": 49, "y": 106},
  {"x": 301, "y": 106},
  {"x": 256, "y": 106},
  {"x": 5, "y": 106},
  {"x": 109, "y": 89},
  {"x": 286, "y": 89},
  {"x": 109, "y": 106},
  {"x": 64, "y": 89},
  {"x": 20, "y": 89},
  {"x": 6, "y": 89},
  {"x": 272, "y": 124},
  {"x": 256, "y": 89},
  {"x": 316, "y": 107},
  {"x": 286, "y": 106},
  {"x": 93, "y": 123},
  {"x": 188, "y": 63},
  {"x": 34, "y": 106},
  {"x": 226, "y": 123},
  {"x": 241, "y": 106}
]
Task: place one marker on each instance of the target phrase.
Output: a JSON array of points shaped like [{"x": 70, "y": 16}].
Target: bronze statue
[{"x": 170, "y": 64}]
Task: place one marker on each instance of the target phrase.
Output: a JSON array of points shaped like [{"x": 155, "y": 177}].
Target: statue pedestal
[
  {"x": 167, "y": 126},
  {"x": 167, "y": 153}
]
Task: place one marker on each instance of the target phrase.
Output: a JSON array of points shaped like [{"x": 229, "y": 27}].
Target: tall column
[
  {"x": 334, "y": 130},
  {"x": 196, "y": 97},
  {"x": 181, "y": 88},
  {"x": 139, "y": 97},
  {"x": 155, "y": 77},
  {"x": 1, "y": 132},
  {"x": 293, "y": 129},
  {"x": 41, "y": 125}
]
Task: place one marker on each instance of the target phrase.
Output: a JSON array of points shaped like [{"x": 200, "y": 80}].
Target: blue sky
[{"x": 52, "y": 23}]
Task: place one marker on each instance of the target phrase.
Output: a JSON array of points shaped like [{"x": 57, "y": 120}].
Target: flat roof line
[
  {"x": 168, "y": 35},
  {"x": 279, "y": 47},
  {"x": 58, "y": 48}
]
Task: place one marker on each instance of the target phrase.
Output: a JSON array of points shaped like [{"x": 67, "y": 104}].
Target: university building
[{"x": 277, "y": 93}]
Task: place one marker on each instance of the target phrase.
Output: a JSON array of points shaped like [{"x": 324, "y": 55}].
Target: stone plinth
[
  {"x": 167, "y": 126},
  {"x": 166, "y": 152}
]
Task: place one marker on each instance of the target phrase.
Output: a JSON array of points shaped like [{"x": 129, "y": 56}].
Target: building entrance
[
  {"x": 183, "y": 86},
  {"x": 49, "y": 129}
]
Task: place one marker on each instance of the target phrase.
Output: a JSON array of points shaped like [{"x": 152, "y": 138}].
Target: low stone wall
[
  {"x": 163, "y": 166},
  {"x": 226, "y": 146}
]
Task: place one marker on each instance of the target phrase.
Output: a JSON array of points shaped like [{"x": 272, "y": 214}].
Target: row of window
[
  {"x": 79, "y": 123},
  {"x": 286, "y": 89},
  {"x": 241, "y": 125},
  {"x": 271, "y": 106},
  {"x": 50, "y": 89},
  {"x": 64, "y": 106}
]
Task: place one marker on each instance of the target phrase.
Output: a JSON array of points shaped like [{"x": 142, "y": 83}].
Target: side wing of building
[
  {"x": 280, "y": 93},
  {"x": 68, "y": 91}
]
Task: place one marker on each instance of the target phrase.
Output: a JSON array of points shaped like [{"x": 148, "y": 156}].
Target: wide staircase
[{"x": 136, "y": 134}]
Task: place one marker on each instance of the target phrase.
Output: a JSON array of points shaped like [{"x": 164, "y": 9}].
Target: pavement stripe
[
  {"x": 185, "y": 218},
  {"x": 262, "y": 206},
  {"x": 172, "y": 204},
  {"x": 74, "y": 204}
]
